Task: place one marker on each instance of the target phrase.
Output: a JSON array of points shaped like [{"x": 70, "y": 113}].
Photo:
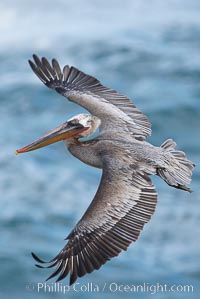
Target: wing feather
[
  {"x": 107, "y": 104},
  {"x": 124, "y": 202}
]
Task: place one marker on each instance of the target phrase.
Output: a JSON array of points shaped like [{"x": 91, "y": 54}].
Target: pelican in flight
[{"x": 126, "y": 198}]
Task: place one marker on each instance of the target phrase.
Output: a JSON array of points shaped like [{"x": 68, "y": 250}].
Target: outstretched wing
[
  {"x": 115, "y": 110},
  {"x": 124, "y": 202}
]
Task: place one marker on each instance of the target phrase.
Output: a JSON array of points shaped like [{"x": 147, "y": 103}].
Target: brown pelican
[{"x": 126, "y": 197}]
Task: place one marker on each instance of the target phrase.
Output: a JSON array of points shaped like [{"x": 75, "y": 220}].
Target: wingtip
[
  {"x": 53, "y": 60},
  {"x": 30, "y": 62},
  {"x": 35, "y": 56},
  {"x": 37, "y": 259},
  {"x": 45, "y": 61},
  {"x": 39, "y": 266},
  {"x": 72, "y": 279}
]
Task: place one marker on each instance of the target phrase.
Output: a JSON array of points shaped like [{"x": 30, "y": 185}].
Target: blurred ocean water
[{"x": 148, "y": 50}]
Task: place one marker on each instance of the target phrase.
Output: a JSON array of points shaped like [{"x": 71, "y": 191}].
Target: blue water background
[{"x": 149, "y": 50}]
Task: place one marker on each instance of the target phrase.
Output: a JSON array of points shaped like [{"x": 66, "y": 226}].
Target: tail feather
[
  {"x": 177, "y": 170},
  {"x": 168, "y": 144}
]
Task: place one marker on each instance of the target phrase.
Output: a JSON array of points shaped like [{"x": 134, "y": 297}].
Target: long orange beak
[{"x": 62, "y": 132}]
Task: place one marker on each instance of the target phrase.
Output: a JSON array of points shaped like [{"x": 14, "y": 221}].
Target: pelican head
[
  {"x": 79, "y": 126},
  {"x": 88, "y": 121}
]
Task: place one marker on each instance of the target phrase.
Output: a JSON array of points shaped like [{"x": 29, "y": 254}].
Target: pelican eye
[{"x": 74, "y": 121}]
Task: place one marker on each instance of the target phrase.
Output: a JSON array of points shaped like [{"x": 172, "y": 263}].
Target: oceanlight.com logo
[{"x": 111, "y": 287}]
